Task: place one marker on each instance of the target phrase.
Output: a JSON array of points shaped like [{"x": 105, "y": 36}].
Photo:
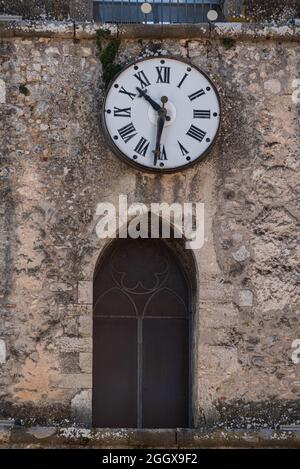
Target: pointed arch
[{"x": 144, "y": 294}]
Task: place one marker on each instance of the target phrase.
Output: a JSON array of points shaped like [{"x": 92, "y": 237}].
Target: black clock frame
[{"x": 115, "y": 149}]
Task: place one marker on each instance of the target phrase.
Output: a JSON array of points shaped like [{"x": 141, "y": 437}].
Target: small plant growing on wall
[
  {"x": 228, "y": 42},
  {"x": 107, "y": 51},
  {"x": 24, "y": 90}
]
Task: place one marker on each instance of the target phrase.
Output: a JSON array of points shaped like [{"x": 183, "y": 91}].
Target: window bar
[
  {"x": 146, "y": 15},
  {"x": 186, "y": 11},
  {"x": 128, "y": 19},
  {"x": 140, "y": 372},
  {"x": 136, "y": 16},
  {"x": 102, "y": 14}
]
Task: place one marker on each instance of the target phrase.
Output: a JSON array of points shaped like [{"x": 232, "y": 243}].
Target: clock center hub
[{"x": 171, "y": 113}]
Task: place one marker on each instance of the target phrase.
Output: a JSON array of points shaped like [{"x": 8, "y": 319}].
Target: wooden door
[{"x": 141, "y": 356}]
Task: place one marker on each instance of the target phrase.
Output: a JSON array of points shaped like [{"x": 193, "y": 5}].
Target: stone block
[
  {"x": 60, "y": 287},
  {"x": 86, "y": 362},
  {"x": 74, "y": 344},
  {"x": 73, "y": 381},
  {"x": 218, "y": 315},
  {"x": 85, "y": 292},
  {"x": 135, "y": 438},
  {"x": 52, "y": 51},
  {"x": 86, "y": 326},
  {"x": 273, "y": 86},
  {"x": 2, "y": 351},
  {"x": 86, "y": 51},
  {"x": 40, "y": 433},
  {"x": 75, "y": 310},
  {"x": 81, "y": 408},
  {"x": 215, "y": 292},
  {"x": 218, "y": 362},
  {"x": 5, "y": 433},
  {"x": 69, "y": 362},
  {"x": 2, "y": 92},
  {"x": 70, "y": 326},
  {"x": 241, "y": 255},
  {"x": 245, "y": 298}
]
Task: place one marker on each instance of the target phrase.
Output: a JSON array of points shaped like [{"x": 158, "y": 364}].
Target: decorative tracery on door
[{"x": 141, "y": 363}]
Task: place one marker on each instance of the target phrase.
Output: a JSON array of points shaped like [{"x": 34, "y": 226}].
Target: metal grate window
[{"x": 156, "y": 11}]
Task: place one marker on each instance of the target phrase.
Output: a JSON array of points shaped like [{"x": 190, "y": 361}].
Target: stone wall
[
  {"x": 272, "y": 10},
  {"x": 56, "y": 167},
  {"x": 263, "y": 10},
  {"x": 58, "y": 9}
]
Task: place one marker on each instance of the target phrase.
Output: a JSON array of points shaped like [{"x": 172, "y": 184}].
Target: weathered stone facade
[
  {"x": 272, "y": 10},
  {"x": 56, "y": 167}
]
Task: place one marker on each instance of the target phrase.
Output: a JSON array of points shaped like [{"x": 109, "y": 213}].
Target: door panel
[
  {"x": 165, "y": 373},
  {"x": 114, "y": 374}
]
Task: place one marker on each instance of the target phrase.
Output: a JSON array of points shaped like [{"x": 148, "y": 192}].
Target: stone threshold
[
  {"x": 12, "y": 436},
  {"x": 87, "y": 30}
]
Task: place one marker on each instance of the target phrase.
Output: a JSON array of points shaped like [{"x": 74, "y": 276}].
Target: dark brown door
[{"x": 141, "y": 363}]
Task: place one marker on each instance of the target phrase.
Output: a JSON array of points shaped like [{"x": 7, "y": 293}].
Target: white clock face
[{"x": 161, "y": 114}]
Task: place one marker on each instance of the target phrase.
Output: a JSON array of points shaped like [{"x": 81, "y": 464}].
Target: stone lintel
[{"x": 87, "y": 30}]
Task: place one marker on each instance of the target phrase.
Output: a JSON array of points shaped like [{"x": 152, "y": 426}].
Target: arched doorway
[{"x": 142, "y": 337}]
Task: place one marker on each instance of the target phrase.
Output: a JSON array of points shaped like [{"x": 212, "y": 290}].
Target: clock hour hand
[{"x": 143, "y": 94}]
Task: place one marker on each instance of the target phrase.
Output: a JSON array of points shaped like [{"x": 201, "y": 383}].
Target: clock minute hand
[
  {"x": 143, "y": 94},
  {"x": 162, "y": 117},
  {"x": 160, "y": 127}
]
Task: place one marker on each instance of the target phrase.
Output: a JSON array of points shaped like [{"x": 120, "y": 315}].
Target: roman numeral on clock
[
  {"x": 163, "y": 154},
  {"x": 196, "y": 94},
  {"x": 142, "y": 146},
  {"x": 184, "y": 151},
  {"x": 196, "y": 133},
  {"x": 182, "y": 80},
  {"x": 127, "y": 132},
  {"x": 160, "y": 155},
  {"x": 142, "y": 79},
  {"x": 163, "y": 74},
  {"x": 198, "y": 114},
  {"x": 126, "y": 112},
  {"x": 131, "y": 95}
]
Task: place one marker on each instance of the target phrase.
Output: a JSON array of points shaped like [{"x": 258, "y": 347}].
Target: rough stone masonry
[{"x": 56, "y": 167}]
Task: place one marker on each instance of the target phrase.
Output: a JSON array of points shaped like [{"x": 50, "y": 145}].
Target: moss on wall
[
  {"x": 228, "y": 42},
  {"x": 107, "y": 51},
  {"x": 24, "y": 90}
]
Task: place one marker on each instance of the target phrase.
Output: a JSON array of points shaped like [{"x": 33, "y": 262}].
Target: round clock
[{"x": 161, "y": 114}]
